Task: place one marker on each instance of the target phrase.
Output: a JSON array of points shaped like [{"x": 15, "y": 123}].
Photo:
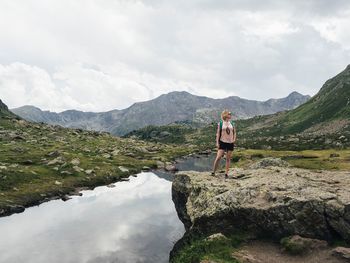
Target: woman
[{"x": 225, "y": 139}]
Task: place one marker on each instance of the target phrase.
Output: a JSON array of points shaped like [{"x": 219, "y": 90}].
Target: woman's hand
[{"x": 217, "y": 145}]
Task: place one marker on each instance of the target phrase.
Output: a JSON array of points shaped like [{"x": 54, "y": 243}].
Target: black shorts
[{"x": 226, "y": 146}]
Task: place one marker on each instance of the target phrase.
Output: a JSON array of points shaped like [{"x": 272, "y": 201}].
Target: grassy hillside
[
  {"x": 4, "y": 111},
  {"x": 329, "y": 108},
  {"x": 39, "y": 162}
]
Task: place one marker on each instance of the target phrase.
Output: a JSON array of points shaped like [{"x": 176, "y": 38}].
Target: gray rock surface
[
  {"x": 342, "y": 252},
  {"x": 274, "y": 202}
]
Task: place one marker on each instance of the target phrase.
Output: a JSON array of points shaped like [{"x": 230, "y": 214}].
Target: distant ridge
[{"x": 165, "y": 109}]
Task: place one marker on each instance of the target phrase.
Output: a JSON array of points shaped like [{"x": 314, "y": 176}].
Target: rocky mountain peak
[
  {"x": 295, "y": 94},
  {"x": 3, "y": 106}
]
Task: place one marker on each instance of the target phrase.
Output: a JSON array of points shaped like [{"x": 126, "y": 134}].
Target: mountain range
[
  {"x": 321, "y": 122},
  {"x": 167, "y": 108}
]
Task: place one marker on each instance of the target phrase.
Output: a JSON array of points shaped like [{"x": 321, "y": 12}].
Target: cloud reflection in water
[{"x": 134, "y": 222}]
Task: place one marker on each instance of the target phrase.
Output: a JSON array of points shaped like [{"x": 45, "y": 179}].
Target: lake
[{"x": 135, "y": 221}]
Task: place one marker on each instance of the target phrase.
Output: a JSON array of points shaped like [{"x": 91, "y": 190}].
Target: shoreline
[{"x": 65, "y": 192}]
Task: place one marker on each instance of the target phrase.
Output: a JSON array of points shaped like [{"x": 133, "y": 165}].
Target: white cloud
[
  {"x": 334, "y": 29},
  {"x": 21, "y": 84},
  {"x": 101, "y": 55}
]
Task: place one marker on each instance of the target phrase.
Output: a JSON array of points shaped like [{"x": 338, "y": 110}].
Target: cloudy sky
[{"x": 98, "y": 55}]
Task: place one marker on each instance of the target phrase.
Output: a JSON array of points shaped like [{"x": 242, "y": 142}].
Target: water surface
[
  {"x": 135, "y": 221},
  {"x": 199, "y": 163}
]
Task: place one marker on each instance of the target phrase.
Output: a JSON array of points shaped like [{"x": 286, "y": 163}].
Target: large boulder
[{"x": 274, "y": 202}]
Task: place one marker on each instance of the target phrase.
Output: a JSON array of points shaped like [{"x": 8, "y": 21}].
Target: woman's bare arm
[
  {"x": 234, "y": 134},
  {"x": 217, "y": 134}
]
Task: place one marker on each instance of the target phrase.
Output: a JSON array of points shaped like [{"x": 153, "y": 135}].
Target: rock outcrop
[{"x": 271, "y": 202}]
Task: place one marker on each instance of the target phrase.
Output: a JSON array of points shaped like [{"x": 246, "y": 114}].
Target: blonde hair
[{"x": 225, "y": 113}]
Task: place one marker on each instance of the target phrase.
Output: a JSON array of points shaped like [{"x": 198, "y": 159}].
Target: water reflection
[
  {"x": 200, "y": 163},
  {"x": 133, "y": 222}
]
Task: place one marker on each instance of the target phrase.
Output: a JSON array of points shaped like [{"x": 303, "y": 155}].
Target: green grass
[
  {"x": 27, "y": 177},
  {"x": 293, "y": 247},
  {"x": 308, "y": 159},
  {"x": 218, "y": 250}
]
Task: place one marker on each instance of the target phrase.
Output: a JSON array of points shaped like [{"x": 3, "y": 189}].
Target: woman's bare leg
[
  {"x": 217, "y": 159},
  {"x": 228, "y": 160}
]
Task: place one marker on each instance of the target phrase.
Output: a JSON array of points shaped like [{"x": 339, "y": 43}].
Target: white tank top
[{"x": 226, "y": 132}]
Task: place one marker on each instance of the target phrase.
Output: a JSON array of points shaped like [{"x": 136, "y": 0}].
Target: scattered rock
[
  {"x": 333, "y": 155},
  {"x": 115, "y": 152},
  {"x": 111, "y": 185},
  {"x": 170, "y": 168},
  {"x": 342, "y": 252},
  {"x": 58, "y": 160},
  {"x": 146, "y": 168},
  {"x": 27, "y": 162},
  {"x": 15, "y": 136},
  {"x": 66, "y": 198},
  {"x": 124, "y": 179},
  {"x": 142, "y": 149},
  {"x": 106, "y": 155},
  {"x": 160, "y": 164},
  {"x": 75, "y": 161},
  {"x": 53, "y": 154},
  {"x": 269, "y": 161},
  {"x": 205, "y": 152},
  {"x": 16, "y": 208},
  {"x": 216, "y": 236},
  {"x": 244, "y": 256},
  {"x": 58, "y": 183},
  {"x": 164, "y": 134},
  {"x": 78, "y": 169},
  {"x": 89, "y": 172},
  {"x": 66, "y": 172},
  {"x": 123, "y": 169},
  {"x": 130, "y": 154},
  {"x": 297, "y": 245}
]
